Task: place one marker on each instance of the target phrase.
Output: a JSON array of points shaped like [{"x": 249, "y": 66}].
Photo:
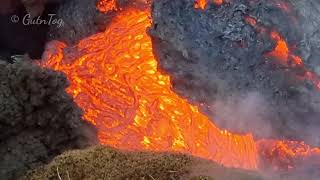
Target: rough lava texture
[
  {"x": 38, "y": 119},
  {"x": 217, "y": 60},
  {"x": 309, "y": 20},
  {"x": 81, "y": 19},
  {"x": 78, "y": 16}
]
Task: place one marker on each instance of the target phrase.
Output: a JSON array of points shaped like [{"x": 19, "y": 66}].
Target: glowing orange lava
[
  {"x": 286, "y": 155},
  {"x": 115, "y": 80},
  {"x": 107, "y": 5},
  {"x": 281, "y": 50},
  {"x": 201, "y": 4}
]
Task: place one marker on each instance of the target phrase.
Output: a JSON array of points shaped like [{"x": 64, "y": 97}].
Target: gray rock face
[
  {"x": 38, "y": 119},
  {"x": 309, "y": 20},
  {"x": 218, "y": 61},
  {"x": 81, "y": 19}
]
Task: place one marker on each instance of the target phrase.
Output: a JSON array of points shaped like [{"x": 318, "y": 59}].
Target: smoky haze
[{"x": 243, "y": 115}]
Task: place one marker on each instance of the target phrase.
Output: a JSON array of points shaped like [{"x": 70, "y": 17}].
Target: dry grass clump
[
  {"x": 110, "y": 164},
  {"x": 105, "y": 163},
  {"x": 202, "y": 178}
]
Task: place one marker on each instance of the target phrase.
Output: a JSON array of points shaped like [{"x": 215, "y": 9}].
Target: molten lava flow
[
  {"x": 114, "y": 78},
  {"x": 286, "y": 155}
]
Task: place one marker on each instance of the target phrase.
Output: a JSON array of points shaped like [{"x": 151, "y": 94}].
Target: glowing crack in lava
[
  {"x": 115, "y": 80},
  {"x": 107, "y": 5},
  {"x": 282, "y": 53},
  {"x": 201, "y": 4}
]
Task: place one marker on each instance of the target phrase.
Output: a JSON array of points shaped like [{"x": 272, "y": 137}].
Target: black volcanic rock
[
  {"x": 308, "y": 15},
  {"x": 81, "y": 19},
  {"x": 218, "y": 61},
  {"x": 38, "y": 119}
]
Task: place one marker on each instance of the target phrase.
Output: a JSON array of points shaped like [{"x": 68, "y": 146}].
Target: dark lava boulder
[
  {"x": 218, "y": 59},
  {"x": 38, "y": 119}
]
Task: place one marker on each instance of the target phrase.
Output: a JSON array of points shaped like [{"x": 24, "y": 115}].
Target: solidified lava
[{"x": 242, "y": 62}]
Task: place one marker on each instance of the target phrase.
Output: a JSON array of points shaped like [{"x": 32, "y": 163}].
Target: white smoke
[{"x": 243, "y": 114}]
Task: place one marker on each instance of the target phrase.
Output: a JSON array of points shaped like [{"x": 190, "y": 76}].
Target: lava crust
[{"x": 241, "y": 62}]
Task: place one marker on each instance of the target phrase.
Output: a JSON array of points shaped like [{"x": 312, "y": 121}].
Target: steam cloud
[{"x": 242, "y": 113}]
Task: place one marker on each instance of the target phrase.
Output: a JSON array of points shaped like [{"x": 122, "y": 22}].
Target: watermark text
[{"x": 27, "y": 20}]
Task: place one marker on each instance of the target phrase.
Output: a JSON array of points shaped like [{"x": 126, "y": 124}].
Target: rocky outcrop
[{"x": 309, "y": 21}]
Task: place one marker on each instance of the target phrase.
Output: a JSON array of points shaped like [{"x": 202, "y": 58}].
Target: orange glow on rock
[
  {"x": 105, "y": 6},
  {"x": 281, "y": 50},
  {"x": 218, "y": 2},
  {"x": 251, "y": 21},
  {"x": 282, "y": 53},
  {"x": 297, "y": 60},
  {"x": 201, "y": 4},
  {"x": 284, "y": 6}
]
